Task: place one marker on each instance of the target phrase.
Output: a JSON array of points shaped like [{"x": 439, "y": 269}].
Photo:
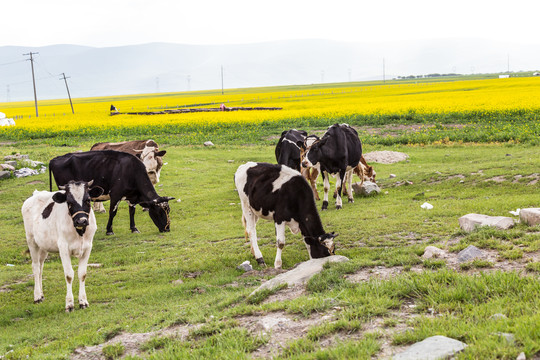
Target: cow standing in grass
[
  {"x": 62, "y": 222},
  {"x": 280, "y": 194},
  {"x": 337, "y": 152}
]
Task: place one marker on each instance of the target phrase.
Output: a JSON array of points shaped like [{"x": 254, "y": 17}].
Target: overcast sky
[{"x": 104, "y": 23}]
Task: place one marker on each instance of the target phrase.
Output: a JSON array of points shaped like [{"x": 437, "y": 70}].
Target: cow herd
[{"x": 64, "y": 222}]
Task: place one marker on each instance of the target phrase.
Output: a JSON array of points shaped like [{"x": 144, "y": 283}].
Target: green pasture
[{"x": 134, "y": 289}]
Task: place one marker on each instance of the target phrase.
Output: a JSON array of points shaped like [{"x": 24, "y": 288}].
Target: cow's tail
[{"x": 50, "y": 178}]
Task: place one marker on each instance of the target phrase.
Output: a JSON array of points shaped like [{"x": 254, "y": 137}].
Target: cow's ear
[
  {"x": 96, "y": 191},
  {"x": 59, "y": 197},
  {"x": 162, "y": 199},
  {"x": 161, "y": 153}
]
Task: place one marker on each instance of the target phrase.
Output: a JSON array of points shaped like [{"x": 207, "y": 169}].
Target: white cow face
[{"x": 151, "y": 158}]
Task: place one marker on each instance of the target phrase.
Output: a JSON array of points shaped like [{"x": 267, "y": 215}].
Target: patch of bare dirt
[
  {"x": 132, "y": 342},
  {"x": 385, "y": 157},
  {"x": 280, "y": 328},
  {"x": 35, "y": 182}
]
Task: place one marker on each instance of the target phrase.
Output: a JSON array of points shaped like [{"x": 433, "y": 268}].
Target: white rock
[
  {"x": 435, "y": 347},
  {"x": 300, "y": 274},
  {"x": 392, "y": 176},
  {"x": 521, "y": 356},
  {"x": 470, "y": 222},
  {"x": 208, "y": 143},
  {"x": 530, "y": 216},
  {"x": 427, "y": 206},
  {"x": 432, "y": 251},
  {"x": 516, "y": 213},
  {"x": 367, "y": 188}
]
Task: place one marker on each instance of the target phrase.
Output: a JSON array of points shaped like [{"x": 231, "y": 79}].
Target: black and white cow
[
  {"x": 280, "y": 194},
  {"x": 338, "y": 151},
  {"x": 62, "y": 222},
  {"x": 289, "y": 147},
  {"x": 122, "y": 177}
]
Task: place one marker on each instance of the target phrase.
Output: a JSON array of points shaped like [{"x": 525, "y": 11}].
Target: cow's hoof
[
  {"x": 338, "y": 207},
  {"x": 261, "y": 262},
  {"x": 135, "y": 231},
  {"x": 69, "y": 308},
  {"x": 351, "y": 200},
  {"x": 110, "y": 233},
  {"x": 39, "y": 301},
  {"x": 83, "y": 305},
  {"x": 324, "y": 205}
]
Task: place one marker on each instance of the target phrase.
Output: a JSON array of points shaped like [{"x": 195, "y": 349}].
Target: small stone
[
  {"x": 367, "y": 188},
  {"x": 530, "y": 216},
  {"x": 94, "y": 265},
  {"x": 470, "y": 253},
  {"x": 510, "y": 338},
  {"x": 432, "y": 252},
  {"x": 470, "y": 222},
  {"x": 426, "y": 206},
  {"x": 245, "y": 266},
  {"x": 521, "y": 356},
  {"x": 7, "y": 167},
  {"x": 435, "y": 347},
  {"x": 230, "y": 161},
  {"x": 392, "y": 176},
  {"x": 498, "y": 316},
  {"x": 178, "y": 282},
  {"x": 208, "y": 143},
  {"x": 5, "y": 174},
  {"x": 11, "y": 163}
]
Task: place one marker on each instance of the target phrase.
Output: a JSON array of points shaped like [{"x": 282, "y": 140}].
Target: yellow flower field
[{"x": 479, "y": 96}]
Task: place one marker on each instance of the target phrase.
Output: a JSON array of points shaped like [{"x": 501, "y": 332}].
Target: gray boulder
[
  {"x": 5, "y": 174},
  {"x": 432, "y": 348},
  {"x": 470, "y": 222},
  {"x": 300, "y": 274},
  {"x": 367, "y": 188},
  {"x": 530, "y": 216},
  {"x": 470, "y": 253}
]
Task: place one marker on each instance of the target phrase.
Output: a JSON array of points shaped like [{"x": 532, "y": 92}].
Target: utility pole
[
  {"x": 221, "y": 79},
  {"x": 383, "y": 71},
  {"x": 33, "y": 79},
  {"x": 67, "y": 88}
]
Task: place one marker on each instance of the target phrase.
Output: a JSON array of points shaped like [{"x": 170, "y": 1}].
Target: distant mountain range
[{"x": 164, "y": 67}]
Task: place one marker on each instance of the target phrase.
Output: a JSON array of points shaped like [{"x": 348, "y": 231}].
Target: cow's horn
[
  {"x": 62, "y": 187},
  {"x": 90, "y": 182}
]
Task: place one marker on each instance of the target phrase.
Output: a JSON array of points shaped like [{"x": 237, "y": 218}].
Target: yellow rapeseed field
[{"x": 315, "y": 102}]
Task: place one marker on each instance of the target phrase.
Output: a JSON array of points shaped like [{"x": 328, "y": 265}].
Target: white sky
[{"x": 104, "y": 23}]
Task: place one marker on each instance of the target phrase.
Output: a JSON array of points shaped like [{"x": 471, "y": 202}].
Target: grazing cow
[
  {"x": 61, "y": 222},
  {"x": 280, "y": 194},
  {"x": 289, "y": 147},
  {"x": 122, "y": 177},
  {"x": 146, "y": 150},
  {"x": 336, "y": 153}
]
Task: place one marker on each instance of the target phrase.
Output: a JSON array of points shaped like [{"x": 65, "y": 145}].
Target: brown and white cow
[
  {"x": 61, "y": 222},
  {"x": 280, "y": 194}
]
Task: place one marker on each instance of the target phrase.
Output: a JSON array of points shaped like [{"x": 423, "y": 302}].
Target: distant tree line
[{"x": 426, "y": 76}]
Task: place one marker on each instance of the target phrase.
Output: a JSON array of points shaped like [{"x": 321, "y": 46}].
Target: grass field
[{"x": 385, "y": 298}]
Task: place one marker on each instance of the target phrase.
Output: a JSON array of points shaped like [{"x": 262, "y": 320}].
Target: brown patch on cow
[
  {"x": 69, "y": 279},
  {"x": 83, "y": 278},
  {"x": 47, "y": 211}
]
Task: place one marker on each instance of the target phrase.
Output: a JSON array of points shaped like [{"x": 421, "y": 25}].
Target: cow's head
[
  {"x": 77, "y": 196},
  {"x": 321, "y": 246},
  {"x": 313, "y": 153},
  {"x": 159, "y": 210},
  {"x": 152, "y": 160}
]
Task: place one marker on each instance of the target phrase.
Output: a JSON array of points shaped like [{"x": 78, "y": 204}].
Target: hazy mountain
[{"x": 161, "y": 67}]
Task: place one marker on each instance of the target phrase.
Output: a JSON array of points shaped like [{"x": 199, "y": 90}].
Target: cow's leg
[
  {"x": 326, "y": 183},
  {"x": 38, "y": 259},
  {"x": 83, "y": 263},
  {"x": 339, "y": 186},
  {"x": 132, "y": 219},
  {"x": 280, "y": 243},
  {"x": 98, "y": 207},
  {"x": 112, "y": 213},
  {"x": 68, "y": 272},
  {"x": 347, "y": 190},
  {"x": 250, "y": 222}
]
